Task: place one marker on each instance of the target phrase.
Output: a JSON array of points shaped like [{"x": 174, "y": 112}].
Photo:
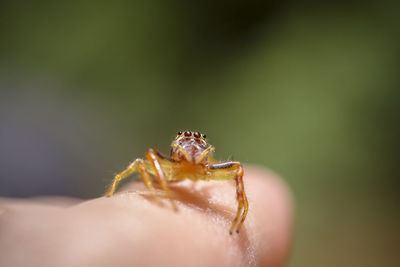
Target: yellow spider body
[{"x": 190, "y": 158}]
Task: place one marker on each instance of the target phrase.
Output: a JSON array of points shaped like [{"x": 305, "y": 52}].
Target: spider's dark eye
[
  {"x": 204, "y": 136},
  {"x": 179, "y": 133},
  {"x": 196, "y": 134},
  {"x": 188, "y": 133}
]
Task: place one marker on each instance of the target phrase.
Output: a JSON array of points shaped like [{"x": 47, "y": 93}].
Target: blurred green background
[{"x": 310, "y": 90}]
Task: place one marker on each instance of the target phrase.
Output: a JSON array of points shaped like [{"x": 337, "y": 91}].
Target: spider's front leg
[
  {"x": 225, "y": 171},
  {"x": 154, "y": 157}
]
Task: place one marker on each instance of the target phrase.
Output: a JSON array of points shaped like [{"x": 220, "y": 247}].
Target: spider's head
[{"x": 191, "y": 147}]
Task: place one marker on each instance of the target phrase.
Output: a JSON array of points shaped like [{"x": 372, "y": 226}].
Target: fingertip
[{"x": 270, "y": 215}]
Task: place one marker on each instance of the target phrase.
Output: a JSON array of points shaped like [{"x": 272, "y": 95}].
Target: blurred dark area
[{"x": 310, "y": 90}]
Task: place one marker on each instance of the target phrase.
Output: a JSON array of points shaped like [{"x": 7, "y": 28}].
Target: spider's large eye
[
  {"x": 188, "y": 133},
  {"x": 204, "y": 136},
  {"x": 196, "y": 134},
  {"x": 179, "y": 133}
]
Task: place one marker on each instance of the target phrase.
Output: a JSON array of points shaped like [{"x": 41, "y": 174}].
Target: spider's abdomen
[{"x": 188, "y": 170}]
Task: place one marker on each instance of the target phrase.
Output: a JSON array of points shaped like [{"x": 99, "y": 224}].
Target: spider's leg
[
  {"x": 229, "y": 170},
  {"x": 147, "y": 179},
  {"x": 154, "y": 157},
  {"x": 133, "y": 167}
]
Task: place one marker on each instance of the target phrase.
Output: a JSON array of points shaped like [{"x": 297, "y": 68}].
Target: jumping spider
[{"x": 190, "y": 159}]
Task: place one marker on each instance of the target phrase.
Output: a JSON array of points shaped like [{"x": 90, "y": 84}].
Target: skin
[{"x": 131, "y": 229}]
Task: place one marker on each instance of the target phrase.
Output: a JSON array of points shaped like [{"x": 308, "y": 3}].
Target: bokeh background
[{"x": 309, "y": 89}]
